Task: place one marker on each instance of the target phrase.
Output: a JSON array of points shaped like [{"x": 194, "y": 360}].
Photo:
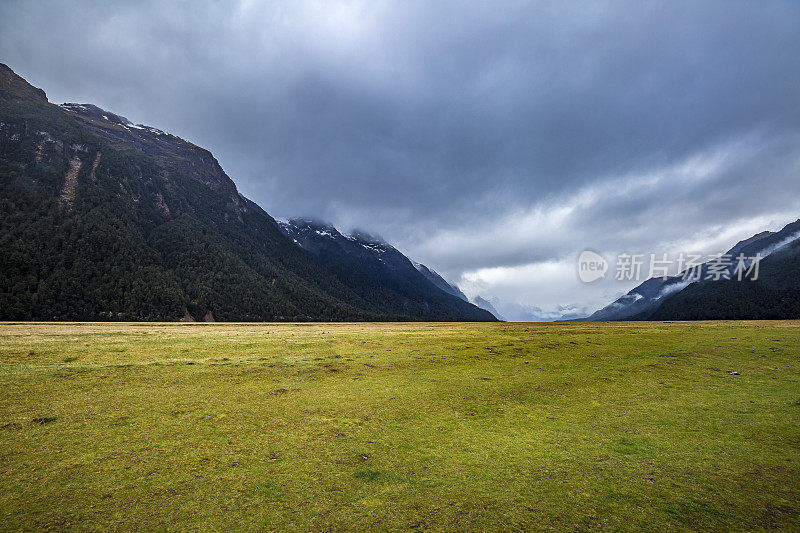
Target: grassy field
[{"x": 400, "y": 426}]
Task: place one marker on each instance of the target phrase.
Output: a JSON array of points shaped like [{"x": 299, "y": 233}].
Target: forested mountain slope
[{"x": 102, "y": 219}]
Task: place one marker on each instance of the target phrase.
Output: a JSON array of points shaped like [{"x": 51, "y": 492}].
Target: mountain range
[
  {"x": 103, "y": 219},
  {"x": 774, "y": 293},
  {"x": 368, "y": 265}
]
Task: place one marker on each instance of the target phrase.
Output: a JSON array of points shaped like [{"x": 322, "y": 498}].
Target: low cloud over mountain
[{"x": 464, "y": 133}]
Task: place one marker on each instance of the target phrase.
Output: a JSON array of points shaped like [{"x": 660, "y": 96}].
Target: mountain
[
  {"x": 434, "y": 277},
  {"x": 483, "y": 303},
  {"x": 774, "y": 294},
  {"x": 367, "y": 265},
  {"x": 102, "y": 219}
]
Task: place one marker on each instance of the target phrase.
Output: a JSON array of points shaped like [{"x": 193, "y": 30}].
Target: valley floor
[{"x": 583, "y": 426}]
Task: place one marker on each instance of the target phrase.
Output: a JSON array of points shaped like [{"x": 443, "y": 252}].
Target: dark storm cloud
[{"x": 474, "y": 135}]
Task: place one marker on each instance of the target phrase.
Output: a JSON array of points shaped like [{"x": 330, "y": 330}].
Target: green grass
[{"x": 400, "y": 426}]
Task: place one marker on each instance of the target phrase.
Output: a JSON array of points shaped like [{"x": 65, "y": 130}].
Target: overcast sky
[{"x": 492, "y": 141}]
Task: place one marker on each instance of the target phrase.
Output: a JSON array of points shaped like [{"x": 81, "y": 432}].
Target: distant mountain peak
[
  {"x": 363, "y": 259},
  {"x": 485, "y": 304},
  {"x": 305, "y": 230},
  {"x": 439, "y": 281}
]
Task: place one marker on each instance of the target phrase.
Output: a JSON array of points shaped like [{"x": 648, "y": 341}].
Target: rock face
[{"x": 102, "y": 219}]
